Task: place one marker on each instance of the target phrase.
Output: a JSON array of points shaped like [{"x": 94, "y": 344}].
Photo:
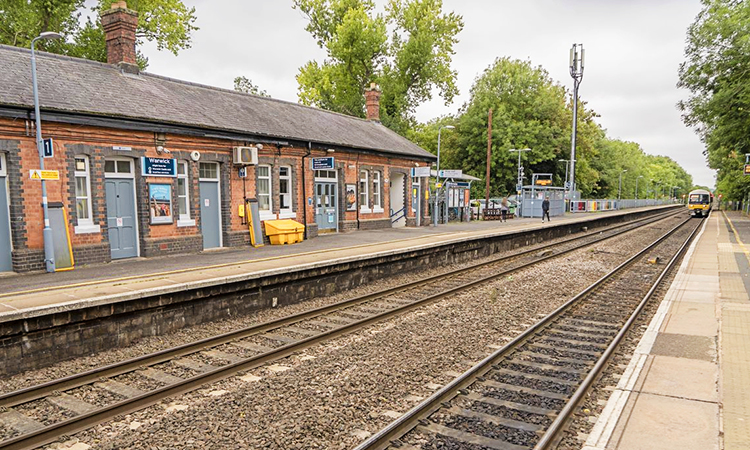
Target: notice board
[{"x": 58, "y": 222}]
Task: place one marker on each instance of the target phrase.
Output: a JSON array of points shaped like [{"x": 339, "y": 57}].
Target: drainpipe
[{"x": 304, "y": 186}]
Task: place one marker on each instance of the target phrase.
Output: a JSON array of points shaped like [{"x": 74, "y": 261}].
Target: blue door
[
  {"x": 210, "y": 214},
  {"x": 326, "y": 215},
  {"x": 6, "y": 264},
  {"x": 121, "y": 219}
]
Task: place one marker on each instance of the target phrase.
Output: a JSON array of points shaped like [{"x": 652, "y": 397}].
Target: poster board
[
  {"x": 58, "y": 222},
  {"x": 253, "y": 221}
]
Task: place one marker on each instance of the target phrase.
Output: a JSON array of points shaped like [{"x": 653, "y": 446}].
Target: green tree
[
  {"x": 529, "y": 110},
  {"x": 407, "y": 51},
  {"x": 246, "y": 85},
  {"x": 168, "y": 23},
  {"x": 717, "y": 73}
]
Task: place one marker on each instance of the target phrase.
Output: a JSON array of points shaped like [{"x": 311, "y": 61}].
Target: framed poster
[
  {"x": 160, "y": 202},
  {"x": 351, "y": 197}
]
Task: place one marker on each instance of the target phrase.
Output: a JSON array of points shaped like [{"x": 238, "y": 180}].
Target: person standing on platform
[
  {"x": 504, "y": 208},
  {"x": 545, "y": 208}
]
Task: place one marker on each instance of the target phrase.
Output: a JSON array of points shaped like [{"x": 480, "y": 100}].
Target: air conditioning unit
[{"x": 246, "y": 156}]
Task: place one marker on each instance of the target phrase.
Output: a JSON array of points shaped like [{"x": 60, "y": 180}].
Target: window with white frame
[
  {"x": 364, "y": 194},
  {"x": 84, "y": 214},
  {"x": 263, "y": 189},
  {"x": 183, "y": 195},
  {"x": 285, "y": 189},
  {"x": 376, "y": 204}
]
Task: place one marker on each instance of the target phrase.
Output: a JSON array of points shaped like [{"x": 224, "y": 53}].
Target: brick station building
[{"x": 148, "y": 165}]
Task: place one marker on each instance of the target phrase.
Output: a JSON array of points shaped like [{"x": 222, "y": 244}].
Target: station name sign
[
  {"x": 450, "y": 173},
  {"x": 322, "y": 163},
  {"x": 420, "y": 172},
  {"x": 158, "y": 167}
]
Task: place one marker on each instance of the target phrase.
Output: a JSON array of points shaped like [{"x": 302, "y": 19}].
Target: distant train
[{"x": 699, "y": 202}]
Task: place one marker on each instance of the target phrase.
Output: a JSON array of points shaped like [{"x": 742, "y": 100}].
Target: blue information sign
[
  {"x": 322, "y": 163},
  {"x": 158, "y": 167}
]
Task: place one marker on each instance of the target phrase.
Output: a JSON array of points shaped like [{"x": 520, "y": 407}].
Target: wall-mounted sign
[
  {"x": 242, "y": 172},
  {"x": 351, "y": 197},
  {"x": 160, "y": 202},
  {"x": 158, "y": 167},
  {"x": 419, "y": 172},
  {"x": 36, "y": 174},
  {"x": 49, "y": 150},
  {"x": 450, "y": 173},
  {"x": 322, "y": 163},
  {"x": 747, "y": 169},
  {"x": 121, "y": 149}
]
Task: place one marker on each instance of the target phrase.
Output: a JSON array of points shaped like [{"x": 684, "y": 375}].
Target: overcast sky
[{"x": 633, "y": 50}]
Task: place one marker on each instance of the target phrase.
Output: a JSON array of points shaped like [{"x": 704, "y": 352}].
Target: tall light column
[
  {"x": 577, "y": 57},
  {"x": 49, "y": 249},
  {"x": 520, "y": 174},
  {"x": 636, "y": 186},
  {"x": 619, "y": 188},
  {"x": 519, "y": 181},
  {"x": 437, "y": 176}
]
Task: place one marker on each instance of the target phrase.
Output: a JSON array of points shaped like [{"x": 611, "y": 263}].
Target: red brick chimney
[
  {"x": 119, "y": 25},
  {"x": 372, "y": 102}
]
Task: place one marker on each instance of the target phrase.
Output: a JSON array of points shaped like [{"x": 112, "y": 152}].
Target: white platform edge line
[{"x": 604, "y": 427}]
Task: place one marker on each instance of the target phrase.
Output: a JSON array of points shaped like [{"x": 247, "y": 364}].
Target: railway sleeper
[
  {"x": 509, "y": 387},
  {"x": 468, "y": 438}
]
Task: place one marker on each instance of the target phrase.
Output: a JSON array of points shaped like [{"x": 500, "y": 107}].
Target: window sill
[
  {"x": 87, "y": 229},
  {"x": 287, "y": 215},
  {"x": 365, "y": 210},
  {"x": 186, "y": 223},
  {"x": 378, "y": 210}
]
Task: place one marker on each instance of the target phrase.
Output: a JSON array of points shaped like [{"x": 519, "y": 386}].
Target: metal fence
[{"x": 577, "y": 206}]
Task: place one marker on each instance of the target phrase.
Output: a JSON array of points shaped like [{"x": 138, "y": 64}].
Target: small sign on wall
[
  {"x": 351, "y": 197},
  {"x": 160, "y": 202}
]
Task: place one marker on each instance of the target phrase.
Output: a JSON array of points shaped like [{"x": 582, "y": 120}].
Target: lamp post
[
  {"x": 519, "y": 181},
  {"x": 673, "y": 193},
  {"x": 577, "y": 56},
  {"x": 619, "y": 188},
  {"x": 437, "y": 175},
  {"x": 49, "y": 249},
  {"x": 636, "y": 186},
  {"x": 520, "y": 172}
]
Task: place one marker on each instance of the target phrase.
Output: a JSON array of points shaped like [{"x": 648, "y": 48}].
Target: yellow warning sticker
[{"x": 36, "y": 174}]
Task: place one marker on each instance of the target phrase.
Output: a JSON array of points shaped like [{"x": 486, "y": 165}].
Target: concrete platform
[
  {"x": 688, "y": 384},
  {"x": 24, "y": 295}
]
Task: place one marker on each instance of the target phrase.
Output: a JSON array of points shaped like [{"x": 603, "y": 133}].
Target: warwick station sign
[{"x": 158, "y": 167}]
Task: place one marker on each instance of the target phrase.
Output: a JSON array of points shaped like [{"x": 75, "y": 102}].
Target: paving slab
[
  {"x": 682, "y": 424},
  {"x": 692, "y": 318}
]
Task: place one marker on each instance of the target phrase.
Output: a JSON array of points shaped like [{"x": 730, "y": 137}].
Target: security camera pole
[
  {"x": 49, "y": 249},
  {"x": 437, "y": 175}
]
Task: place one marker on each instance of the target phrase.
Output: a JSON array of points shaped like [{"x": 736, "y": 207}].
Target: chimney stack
[
  {"x": 372, "y": 102},
  {"x": 119, "y": 25}
]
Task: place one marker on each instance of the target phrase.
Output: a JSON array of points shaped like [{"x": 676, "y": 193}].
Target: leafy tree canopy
[
  {"x": 168, "y": 23},
  {"x": 530, "y": 110},
  {"x": 244, "y": 84},
  {"x": 407, "y": 50},
  {"x": 717, "y": 73}
]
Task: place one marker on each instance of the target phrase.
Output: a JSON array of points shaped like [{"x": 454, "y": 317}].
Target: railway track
[
  {"x": 522, "y": 396},
  {"x": 83, "y": 400}
]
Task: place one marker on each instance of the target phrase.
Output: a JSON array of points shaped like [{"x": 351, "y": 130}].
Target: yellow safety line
[
  {"x": 737, "y": 236},
  {"x": 215, "y": 266}
]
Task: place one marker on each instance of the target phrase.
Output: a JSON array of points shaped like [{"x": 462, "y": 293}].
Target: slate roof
[{"x": 80, "y": 86}]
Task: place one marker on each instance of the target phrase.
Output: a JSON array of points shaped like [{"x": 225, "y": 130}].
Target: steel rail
[
  {"x": 552, "y": 435},
  {"x": 411, "y": 418},
  {"x": 81, "y": 422},
  {"x": 81, "y": 379}
]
